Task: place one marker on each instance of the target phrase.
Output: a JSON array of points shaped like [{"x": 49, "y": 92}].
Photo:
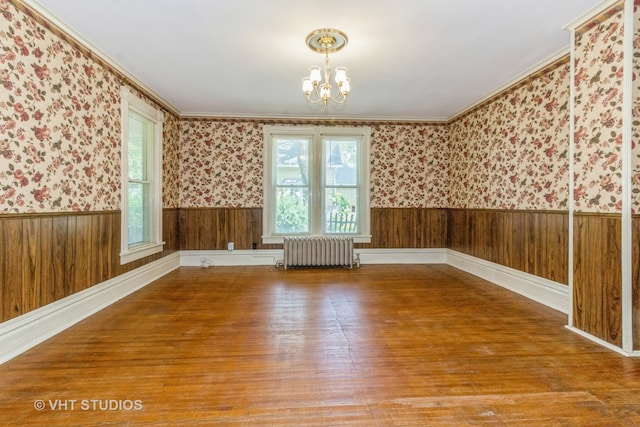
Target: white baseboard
[
  {"x": 402, "y": 256},
  {"x": 603, "y": 342},
  {"x": 228, "y": 258},
  {"x": 544, "y": 291},
  {"x": 271, "y": 256},
  {"x": 22, "y": 333}
]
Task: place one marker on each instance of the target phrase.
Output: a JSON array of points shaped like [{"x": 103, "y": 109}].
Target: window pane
[
  {"x": 341, "y": 162},
  {"x": 137, "y": 146},
  {"x": 292, "y": 161},
  {"x": 139, "y": 220},
  {"x": 292, "y": 210},
  {"x": 341, "y": 210}
]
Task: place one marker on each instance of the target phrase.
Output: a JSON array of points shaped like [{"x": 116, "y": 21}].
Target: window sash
[
  {"x": 139, "y": 187},
  {"x": 141, "y": 194},
  {"x": 323, "y": 217},
  {"x": 340, "y": 210}
]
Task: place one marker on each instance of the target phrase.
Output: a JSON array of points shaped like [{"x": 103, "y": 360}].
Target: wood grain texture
[
  {"x": 597, "y": 276},
  {"x": 47, "y": 257},
  {"x": 529, "y": 241},
  {"x": 635, "y": 281},
  {"x": 12, "y": 259},
  {"x": 213, "y": 228},
  {"x": 407, "y": 228},
  {"x": 408, "y": 345}
]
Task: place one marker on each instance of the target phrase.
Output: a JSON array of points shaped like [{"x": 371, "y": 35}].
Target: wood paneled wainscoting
[
  {"x": 213, "y": 228},
  {"x": 46, "y": 257},
  {"x": 597, "y": 276},
  {"x": 635, "y": 281},
  {"x": 535, "y": 242},
  {"x": 408, "y": 228}
]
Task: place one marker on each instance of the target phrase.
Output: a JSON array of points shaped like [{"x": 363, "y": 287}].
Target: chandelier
[{"x": 316, "y": 89}]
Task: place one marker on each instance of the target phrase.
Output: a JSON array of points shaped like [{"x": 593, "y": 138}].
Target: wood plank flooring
[{"x": 404, "y": 345}]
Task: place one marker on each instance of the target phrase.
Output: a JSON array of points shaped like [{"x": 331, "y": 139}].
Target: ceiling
[{"x": 407, "y": 59}]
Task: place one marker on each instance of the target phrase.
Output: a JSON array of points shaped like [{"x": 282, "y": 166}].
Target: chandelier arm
[
  {"x": 338, "y": 98},
  {"x": 314, "y": 101}
]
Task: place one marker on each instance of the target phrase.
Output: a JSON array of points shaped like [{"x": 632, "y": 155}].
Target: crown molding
[
  {"x": 592, "y": 13},
  {"x": 313, "y": 119}
]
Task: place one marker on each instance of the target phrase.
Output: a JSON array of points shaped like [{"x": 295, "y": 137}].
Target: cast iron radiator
[{"x": 318, "y": 252}]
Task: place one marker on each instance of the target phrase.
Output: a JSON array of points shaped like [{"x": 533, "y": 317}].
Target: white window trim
[
  {"x": 129, "y": 101},
  {"x": 317, "y": 132}
]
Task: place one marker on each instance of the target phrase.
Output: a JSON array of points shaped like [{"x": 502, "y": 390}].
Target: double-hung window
[
  {"x": 316, "y": 182},
  {"x": 141, "y": 165}
]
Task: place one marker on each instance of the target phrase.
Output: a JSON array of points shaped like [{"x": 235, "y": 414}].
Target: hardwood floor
[{"x": 404, "y": 345}]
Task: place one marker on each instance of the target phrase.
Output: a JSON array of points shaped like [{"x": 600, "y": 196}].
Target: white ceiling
[{"x": 407, "y": 59}]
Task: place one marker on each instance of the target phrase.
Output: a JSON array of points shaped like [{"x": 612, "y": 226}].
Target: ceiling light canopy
[{"x": 317, "y": 86}]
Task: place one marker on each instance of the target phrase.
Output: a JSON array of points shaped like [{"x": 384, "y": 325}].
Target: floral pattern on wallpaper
[
  {"x": 220, "y": 164},
  {"x": 598, "y": 117},
  {"x": 171, "y": 162},
  {"x": 59, "y": 128},
  {"x": 512, "y": 152},
  {"x": 409, "y": 166}
]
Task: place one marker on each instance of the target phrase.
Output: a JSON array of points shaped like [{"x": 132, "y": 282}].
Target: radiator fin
[{"x": 318, "y": 252}]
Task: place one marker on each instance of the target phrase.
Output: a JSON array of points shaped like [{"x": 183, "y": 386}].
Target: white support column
[
  {"x": 627, "y": 167},
  {"x": 572, "y": 129}
]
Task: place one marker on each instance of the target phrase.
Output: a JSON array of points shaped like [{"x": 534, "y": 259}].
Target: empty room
[{"x": 372, "y": 213}]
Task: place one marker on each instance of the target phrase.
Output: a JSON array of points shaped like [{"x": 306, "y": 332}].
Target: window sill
[
  {"x": 359, "y": 238},
  {"x": 139, "y": 252}
]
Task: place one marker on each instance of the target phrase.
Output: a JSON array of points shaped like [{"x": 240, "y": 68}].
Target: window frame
[
  {"x": 316, "y": 135},
  {"x": 131, "y": 102}
]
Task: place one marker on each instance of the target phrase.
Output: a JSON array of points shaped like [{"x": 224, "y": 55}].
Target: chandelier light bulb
[
  {"x": 307, "y": 86},
  {"x": 314, "y": 74},
  {"x": 325, "y": 91},
  {"x": 341, "y": 75},
  {"x": 346, "y": 86}
]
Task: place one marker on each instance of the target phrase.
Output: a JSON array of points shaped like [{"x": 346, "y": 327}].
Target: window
[
  {"x": 141, "y": 201},
  {"x": 316, "y": 182}
]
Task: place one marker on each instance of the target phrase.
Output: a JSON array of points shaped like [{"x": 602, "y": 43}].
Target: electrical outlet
[{"x": 230, "y": 246}]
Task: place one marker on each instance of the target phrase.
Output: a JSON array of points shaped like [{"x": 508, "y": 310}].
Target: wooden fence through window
[{"x": 339, "y": 222}]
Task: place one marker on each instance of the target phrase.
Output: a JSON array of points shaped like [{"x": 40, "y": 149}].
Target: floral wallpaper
[
  {"x": 60, "y": 125},
  {"x": 409, "y": 165},
  {"x": 171, "y": 162},
  {"x": 512, "y": 152},
  {"x": 221, "y": 164},
  {"x": 59, "y": 128},
  {"x": 598, "y": 116},
  {"x": 60, "y": 138}
]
